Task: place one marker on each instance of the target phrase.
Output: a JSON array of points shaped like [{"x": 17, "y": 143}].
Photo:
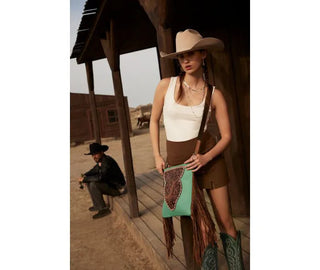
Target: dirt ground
[{"x": 106, "y": 243}]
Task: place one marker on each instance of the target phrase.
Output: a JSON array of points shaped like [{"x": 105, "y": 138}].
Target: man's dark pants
[{"x": 97, "y": 189}]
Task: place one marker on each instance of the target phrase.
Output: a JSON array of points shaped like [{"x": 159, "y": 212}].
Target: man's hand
[{"x": 80, "y": 182}]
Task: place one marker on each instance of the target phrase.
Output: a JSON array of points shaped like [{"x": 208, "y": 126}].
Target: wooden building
[{"x": 81, "y": 123}]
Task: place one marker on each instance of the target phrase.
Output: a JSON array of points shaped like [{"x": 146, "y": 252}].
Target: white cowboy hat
[{"x": 191, "y": 40}]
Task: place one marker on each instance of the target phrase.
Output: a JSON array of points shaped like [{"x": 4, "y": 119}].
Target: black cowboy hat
[{"x": 97, "y": 148}]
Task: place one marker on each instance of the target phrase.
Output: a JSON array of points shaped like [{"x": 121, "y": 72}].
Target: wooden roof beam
[
  {"x": 159, "y": 12},
  {"x": 110, "y": 48},
  {"x": 160, "y": 16},
  {"x": 80, "y": 59}
]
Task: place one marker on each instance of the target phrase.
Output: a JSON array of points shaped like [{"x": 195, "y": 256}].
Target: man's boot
[
  {"x": 102, "y": 213},
  {"x": 210, "y": 258},
  {"x": 232, "y": 251}
]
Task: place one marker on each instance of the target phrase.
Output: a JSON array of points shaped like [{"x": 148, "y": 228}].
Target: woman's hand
[
  {"x": 160, "y": 164},
  {"x": 196, "y": 162}
]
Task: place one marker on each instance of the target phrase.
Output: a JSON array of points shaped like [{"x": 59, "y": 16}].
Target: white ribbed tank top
[{"x": 181, "y": 122}]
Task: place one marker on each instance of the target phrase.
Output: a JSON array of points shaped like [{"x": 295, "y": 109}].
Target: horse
[{"x": 143, "y": 119}]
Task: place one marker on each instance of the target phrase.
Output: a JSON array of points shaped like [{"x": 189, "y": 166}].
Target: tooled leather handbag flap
[
  {"x": 172, "y": 177},
  {"x": 173, "y": 186}
]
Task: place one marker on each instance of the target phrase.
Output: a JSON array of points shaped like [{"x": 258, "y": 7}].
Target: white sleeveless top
[{"x": 181, "y": 122}]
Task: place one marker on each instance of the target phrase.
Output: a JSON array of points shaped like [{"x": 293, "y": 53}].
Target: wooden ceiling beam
[
  {"x": 159, "y": 12},
  {"x": 151, "y": 8},
  {"x": 110, "y": 48}
]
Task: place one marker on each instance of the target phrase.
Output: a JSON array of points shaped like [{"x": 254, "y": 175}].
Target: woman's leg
[
  {"x": 219, "y": 198},
  {"x": 231, "y": 239}
]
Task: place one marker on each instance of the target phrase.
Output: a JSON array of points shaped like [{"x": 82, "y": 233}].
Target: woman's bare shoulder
[
  {"x": 160, "y": 93},
  {"x": 217, "y": 97},
  {"x": 163, "y": 86},
  {"x": 164, "y": 83},
  {"x": 217, "y": 93}
]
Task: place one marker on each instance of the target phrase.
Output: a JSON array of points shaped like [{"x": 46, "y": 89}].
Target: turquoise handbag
[
  {"x": 177, "y": 191},
  {"x": 178, "y": 181}
]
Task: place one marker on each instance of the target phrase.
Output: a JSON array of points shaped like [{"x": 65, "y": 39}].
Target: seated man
[{"x": 104, "y": 178}]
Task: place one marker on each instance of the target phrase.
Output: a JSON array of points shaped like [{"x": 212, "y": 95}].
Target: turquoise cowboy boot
[
  {"x": 210, "y": 258},
  {"x": 232, "y": 251}
]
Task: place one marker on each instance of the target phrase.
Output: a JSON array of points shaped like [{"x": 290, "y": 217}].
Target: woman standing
[{"x": 181, "y": 99}]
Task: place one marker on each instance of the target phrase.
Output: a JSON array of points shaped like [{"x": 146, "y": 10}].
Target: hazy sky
[{"x": 139, "y": 70}]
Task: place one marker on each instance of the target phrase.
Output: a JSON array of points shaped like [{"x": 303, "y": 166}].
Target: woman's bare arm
[
  {"x": 157, "y": 108},
  {"x": 222, "y": 116}
]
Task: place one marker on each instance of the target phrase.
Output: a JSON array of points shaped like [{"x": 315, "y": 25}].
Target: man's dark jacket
[{"x": 109, "y": 173}]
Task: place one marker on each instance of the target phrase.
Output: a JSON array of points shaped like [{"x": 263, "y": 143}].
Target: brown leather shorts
[{"x": 213, "y": 175}]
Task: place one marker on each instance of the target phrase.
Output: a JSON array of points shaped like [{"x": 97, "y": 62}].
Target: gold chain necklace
[
  {"x": 191, "y": 107},
  {"x": 195, "y": 90}
]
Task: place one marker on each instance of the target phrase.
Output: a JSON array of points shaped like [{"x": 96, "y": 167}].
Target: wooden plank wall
[
  {"x": 231, "y": 76},
  {"x": 81, "y": 127}
]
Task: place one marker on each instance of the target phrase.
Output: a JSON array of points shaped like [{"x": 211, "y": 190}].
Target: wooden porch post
[
  {"x": 93, "y": 107},
  {"x": 126, "y": 146},
  {"x": 165, "y": 42},
  {"x": 113, "y": 57}
]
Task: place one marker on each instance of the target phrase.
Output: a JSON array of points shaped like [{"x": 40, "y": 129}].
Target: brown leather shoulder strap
[
  {"x": 205, "y": 112},
  {"x": 204, "y": 118}
]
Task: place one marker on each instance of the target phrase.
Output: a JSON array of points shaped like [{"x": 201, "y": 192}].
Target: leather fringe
[
  {"x": 204, "y": 231},
  {"x": 169, "y": 235}
]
